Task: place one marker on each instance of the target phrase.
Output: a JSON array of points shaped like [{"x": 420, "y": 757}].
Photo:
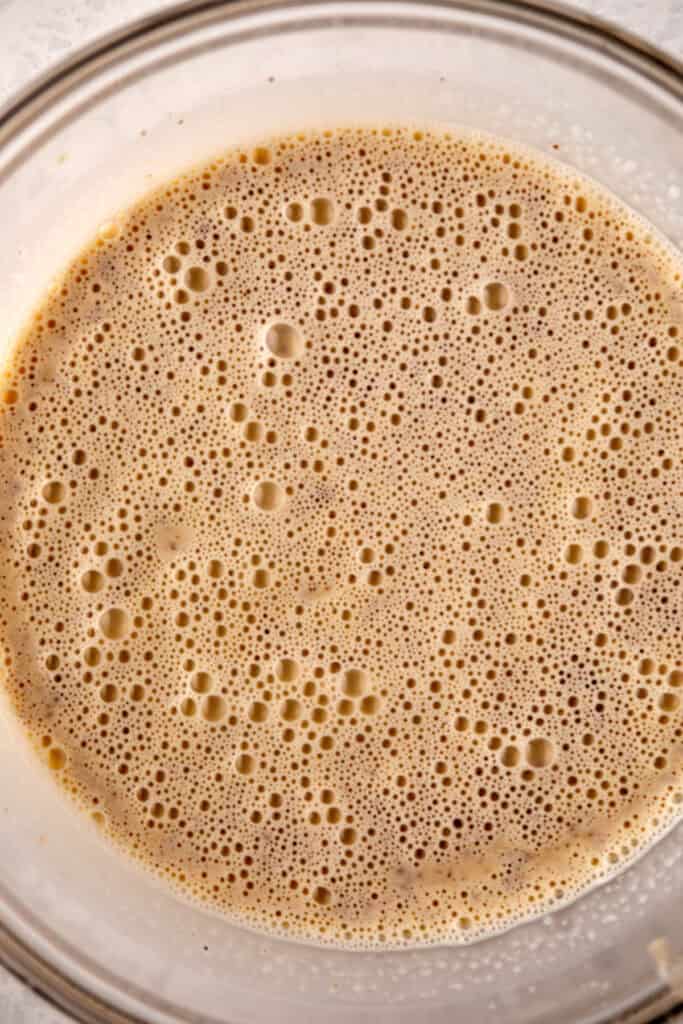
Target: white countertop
[{"x": 36, "y": 33}]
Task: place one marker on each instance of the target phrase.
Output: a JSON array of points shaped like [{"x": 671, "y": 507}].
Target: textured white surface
[{"x": 36, "y": 33}]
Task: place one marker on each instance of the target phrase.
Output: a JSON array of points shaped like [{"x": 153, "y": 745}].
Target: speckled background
[{"x": 36, "y": 33}]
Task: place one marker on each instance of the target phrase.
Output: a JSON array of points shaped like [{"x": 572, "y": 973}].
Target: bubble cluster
[{"x": 340, "y": 533}]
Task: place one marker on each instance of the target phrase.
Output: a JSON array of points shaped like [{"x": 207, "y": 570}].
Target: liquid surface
[{"x": 341, "y": 543}]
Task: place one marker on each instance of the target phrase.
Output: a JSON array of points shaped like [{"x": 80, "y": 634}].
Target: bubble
[
  {"x": 582, "y": 507},
  {"x": 354, "y": 682},
  {"x": 262, "y": 156},
  {"x": 290, "y": 710},
  {"x": 268, "y": 496},
  {"x": 510, "y": 756},
  {"x": 322, "y": 212},
  {"x": 113, "y": 567},
  {"x": 574, "y": 554},
  {"x": 284, "y": 341},
  {"x": 238, "y": 412},
  {"x": 92, "y": 656},
  {"x": 322, "y": 896},
  {"x": 399, "y": 219},
  {"x": 287, "y": 670},
  {"x": 54, "y": 492},
  {"x": 496, "y": 296},
  {"x": 495, "y": 513},
  {"x": 92, "y": 581},
  {"x": 244, "y": 765},
  {"x": 253, "y": 431},
  {"x": 188, "y": 707},
  {"x": 539, "y": 753},
  {"x": 214, "y": 708},
  {"x": 370, "y": 705},
  {"x": 114, "y": 624},
  {"x": 56, "y": 759},
  {"x": 197, "y": 279},
  {"x": 201, "y": 682},
  {"x": 171, "y": 264},
  {"x": 294, "y": 212},
  {"x": 261, "y": 579},
  {"x": 258, "y": 712}
]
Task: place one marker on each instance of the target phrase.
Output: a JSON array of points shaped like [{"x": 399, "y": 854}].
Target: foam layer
[{"x": 341, "y": 549}]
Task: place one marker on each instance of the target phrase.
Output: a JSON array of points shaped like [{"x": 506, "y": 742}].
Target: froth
[{"x": 340, "y": 553}]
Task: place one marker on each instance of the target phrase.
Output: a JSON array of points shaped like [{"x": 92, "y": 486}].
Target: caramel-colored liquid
[{"x": 341, "y": 539}]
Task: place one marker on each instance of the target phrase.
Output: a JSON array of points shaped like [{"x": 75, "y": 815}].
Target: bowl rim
[{"x": 109, "y": 49}]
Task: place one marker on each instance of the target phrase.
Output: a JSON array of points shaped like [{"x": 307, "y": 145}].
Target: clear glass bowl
[{"x": 80, "y": 923}]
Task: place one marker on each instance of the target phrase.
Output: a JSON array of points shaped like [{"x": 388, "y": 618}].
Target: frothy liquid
[{"x": 341, "y": 539}]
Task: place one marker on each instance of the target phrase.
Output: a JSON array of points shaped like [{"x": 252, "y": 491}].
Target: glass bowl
[{"x": 77, "y": 921}]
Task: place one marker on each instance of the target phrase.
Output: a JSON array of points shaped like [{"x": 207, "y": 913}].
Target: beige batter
[{"x": 341, "y": 546}]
